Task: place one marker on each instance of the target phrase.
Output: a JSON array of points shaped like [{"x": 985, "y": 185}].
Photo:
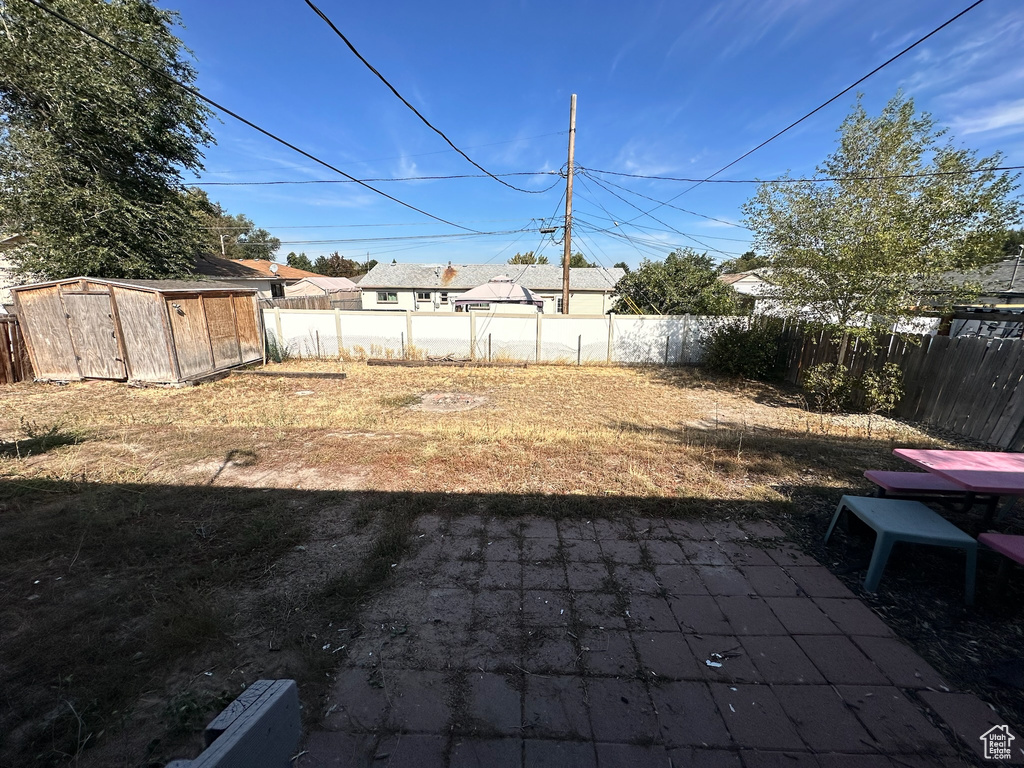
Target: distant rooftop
[{"x": 536, "y": 277}]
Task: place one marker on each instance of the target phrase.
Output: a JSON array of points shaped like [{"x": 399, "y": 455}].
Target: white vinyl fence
[{"x": 489, "y": 336}]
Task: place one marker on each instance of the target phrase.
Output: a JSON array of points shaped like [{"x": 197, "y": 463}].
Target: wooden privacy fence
[
  {"x": 14, "y": 365},
  {"x": 313, "y": 302},
  {"x": 970, "y": 386}
]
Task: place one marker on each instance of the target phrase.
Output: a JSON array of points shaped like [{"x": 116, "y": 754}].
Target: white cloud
[{"x": 1006, "y": 117}]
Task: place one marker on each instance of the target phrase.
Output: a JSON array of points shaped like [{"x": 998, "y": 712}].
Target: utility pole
[
  {"x": 566, "y": 255},
  {"x": 222, "y": 252}
]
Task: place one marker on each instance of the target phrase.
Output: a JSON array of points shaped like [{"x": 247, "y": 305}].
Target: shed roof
[
  {"x": 500, "y": 290},
  {"x": 536, "y": 277},
  {"x": 330, "y": 284},
  {"x": 156, "y": 286}
]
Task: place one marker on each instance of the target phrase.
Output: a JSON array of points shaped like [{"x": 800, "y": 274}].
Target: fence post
[
  {"x": 685, "y": 348},
  {"x": 401, "y": 338},
  {"x": 539, "y": 316},
  {"x": 337, "y": 328},
  {"x": 668, "y": 339},
  {"x": 472, "y": 335},
  {"x": 408, "y": 329},
  {"x": 579, "y": 349},
  {"x": 488, "y": 347},
  {"x": 611, "y": 325},
  {"x": 280, "y": 333}
]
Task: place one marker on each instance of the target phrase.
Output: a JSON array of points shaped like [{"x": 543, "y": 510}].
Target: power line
[
  {"x": 365, "y": 181},
  {"x": 356, "y": 226},
  {"x": 676, "y": 207},
  {"x": 450, "y": 236},
  {"x": 195, "y": 92},
  {"x": 403, "y": 157},
  {"x": 648, "y": 213},
  {"x": 826, "y": 103},
  {"x": 402, "y": 99},
  {"x": 815, "y": 180}
]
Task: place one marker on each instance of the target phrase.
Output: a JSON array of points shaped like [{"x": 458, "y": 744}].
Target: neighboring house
[
  {"x": 753, "y": 287},
  {"x": 266, "y": 283},
  {"x": 433, "y": 287},
  {"x": 273, "y": 269},
  {"x": 998, "y": 312}
]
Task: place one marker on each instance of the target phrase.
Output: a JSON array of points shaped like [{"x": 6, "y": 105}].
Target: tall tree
[
  {"x": 528, "y": 258},
  {"x": 221, "y": 229},
  {"x": 259, "y": 244},
  {"x": 744, "y": 263},
  {"x": 685, "y": 283},
  {"x": 299, "y": 261},
  {"x": 336, "y": 265},
  {"x": 623, "y": 266},
  {"x": 92, "y": 145},
  {"x": 863, "y": 246},
  {"x": 578, "y": 261}
]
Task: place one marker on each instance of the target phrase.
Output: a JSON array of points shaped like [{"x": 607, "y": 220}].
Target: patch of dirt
[
  {"x": 290, "y": 475},
  {"x": 447, "y": 402}
]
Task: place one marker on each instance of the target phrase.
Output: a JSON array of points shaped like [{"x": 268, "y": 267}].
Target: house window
[
  {"x": 477, "y": 307},
  {"x": 387, "y": 297},
  {"x": 276, "y": 290},
  {"x": 444, "y": 297},
  {"x": 422, "y": 295},
  {"x": 558, "y": 308}
]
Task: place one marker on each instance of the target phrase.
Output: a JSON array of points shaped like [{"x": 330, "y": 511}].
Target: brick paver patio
[{"x": 634, "y": 643}]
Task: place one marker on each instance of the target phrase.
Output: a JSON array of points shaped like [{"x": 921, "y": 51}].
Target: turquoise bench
[{"x": 896, "y": 520}]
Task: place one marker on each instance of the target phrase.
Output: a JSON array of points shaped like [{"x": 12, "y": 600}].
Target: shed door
[
  {"x": 91, "y": 322},
  {"x": 191, "y": 337}
]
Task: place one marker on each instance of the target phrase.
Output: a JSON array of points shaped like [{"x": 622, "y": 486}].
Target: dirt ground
[{"x": 162, "y": 548}]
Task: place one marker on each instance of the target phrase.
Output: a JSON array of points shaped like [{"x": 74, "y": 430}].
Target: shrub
[
  {"x": 829, "y": 386},
  {"x": 882, "y": 389},
  {"x": 747, "y": 350}
]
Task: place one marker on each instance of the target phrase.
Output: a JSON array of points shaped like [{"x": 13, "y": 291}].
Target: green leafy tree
[
  {"x": 528, "y": 258},
  {"x": 259, "y": 244},
  {"x": 1014, "y": 239},
  {"x": 222, "y": 230},
  {"x": 744, "y": 263},
  {"x": 92, "y": 146},
  {"x": 299, "y": 261},
  {"x": 861, "y": 247},
  {"x": 623, "y": 266},
  {"x": 366, "y": 266},
  {"x": 336, "y": 265},
  {"x": 578, "y": 261},
  {"x": 686, "y": 282}
]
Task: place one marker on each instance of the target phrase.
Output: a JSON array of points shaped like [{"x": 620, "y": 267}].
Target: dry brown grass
[{"x": 159, "y": 534}]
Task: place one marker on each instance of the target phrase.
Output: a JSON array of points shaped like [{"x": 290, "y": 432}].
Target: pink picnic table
[{"x": 988, "y": 472}]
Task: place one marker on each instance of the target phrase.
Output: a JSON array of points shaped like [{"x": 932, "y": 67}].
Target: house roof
[
  {"x": 160, "y": 286},
  {"x": 11, "y": 241},
  {"x": 536, "y": 277},
  {"x": 283, "y": 270},
  {"x": 1002, "y": 277},
  {"x": 208, "y": 265}
]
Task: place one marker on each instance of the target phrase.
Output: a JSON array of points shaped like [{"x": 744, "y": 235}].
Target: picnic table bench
[{"x": 902, "y": 520}]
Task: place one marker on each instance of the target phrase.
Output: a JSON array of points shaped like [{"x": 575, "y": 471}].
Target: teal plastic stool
[{"x": 896, "y": 520}]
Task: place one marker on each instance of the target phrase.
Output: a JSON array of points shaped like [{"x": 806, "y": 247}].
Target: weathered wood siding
[
  {"x": 146, "y": 341},
  {"x": 14, "y": 365},
  {"x": 220, "y": 318},
  {"x": 249, "y": 336},
  {"x": 43, "y": 320},
  {"x": 91, "y": 324},
  {"x": 190, "y": 335}
]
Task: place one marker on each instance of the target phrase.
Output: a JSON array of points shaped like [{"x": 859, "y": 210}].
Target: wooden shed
[{"x": 157, "y": 331}]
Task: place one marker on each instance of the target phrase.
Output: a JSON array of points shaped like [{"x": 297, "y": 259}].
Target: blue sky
[{"x": 672, "y": 88}]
